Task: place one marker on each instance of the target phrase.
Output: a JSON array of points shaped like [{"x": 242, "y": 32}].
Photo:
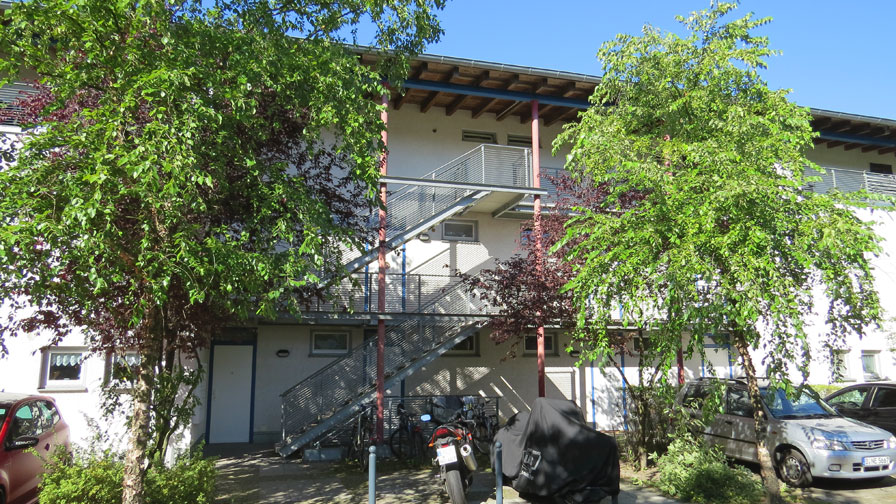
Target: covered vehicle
[{"x": 551, "y": 452}]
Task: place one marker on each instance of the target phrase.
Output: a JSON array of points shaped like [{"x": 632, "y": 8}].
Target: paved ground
[{"x": 253, "y": 474}]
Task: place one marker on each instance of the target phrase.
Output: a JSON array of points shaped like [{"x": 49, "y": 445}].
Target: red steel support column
[
  {"x": 680, "y": 358},
  {"x": 539, "y": 253},
  {"x": 381, "y": 287}
]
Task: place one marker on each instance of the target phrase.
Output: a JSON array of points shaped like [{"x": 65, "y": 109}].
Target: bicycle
[
  {"x": 363, "y": 436},
  {"x": 484, "y": 427},
  {"x": 407, "y": 441}
]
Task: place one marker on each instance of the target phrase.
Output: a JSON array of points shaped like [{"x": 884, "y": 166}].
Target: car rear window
[{"x": 2, "y": 414}]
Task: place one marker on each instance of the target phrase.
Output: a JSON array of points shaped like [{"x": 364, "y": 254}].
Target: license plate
[
  {"x": 875, "y": 461},
  {"x": 447, "y": 455}
]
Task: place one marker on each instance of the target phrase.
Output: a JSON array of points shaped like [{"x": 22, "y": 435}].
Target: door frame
[{"x": 253, "y": 342}]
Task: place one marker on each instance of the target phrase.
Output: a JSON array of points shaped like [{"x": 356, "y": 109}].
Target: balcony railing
[
  {"x": 853, "y": 180},
  {"x": 409, "y": 293}
]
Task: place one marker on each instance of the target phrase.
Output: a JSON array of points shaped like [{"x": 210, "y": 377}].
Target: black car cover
[{"x": 552, "y": 452}]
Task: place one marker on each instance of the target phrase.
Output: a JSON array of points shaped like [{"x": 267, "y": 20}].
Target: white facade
[{"x": 249, "y": 370}]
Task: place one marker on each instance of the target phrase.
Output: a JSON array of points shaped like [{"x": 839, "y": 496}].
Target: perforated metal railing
[
  {"x": 345, "y": 380},
  {"x": 405, "y": 293},
  {"x": 497, "y": 165},
  {"x": 853, "y": 180}
]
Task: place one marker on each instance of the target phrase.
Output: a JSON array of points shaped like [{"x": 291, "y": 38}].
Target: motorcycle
[{"x": 453, "y": 442}]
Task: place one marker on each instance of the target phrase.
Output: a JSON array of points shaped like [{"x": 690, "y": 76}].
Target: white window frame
[
  {"x": 875, "y": 358},
  {"x": 46, "y": 384},
  {"x": 840, "y": 359},
  {"x": 315, "y": 352},
  {"x": 111, "y": 359},
  {"x": 463, "y": 222},
  {"x": 474, "y": 351},
  {"x": 548, "y": 335}
]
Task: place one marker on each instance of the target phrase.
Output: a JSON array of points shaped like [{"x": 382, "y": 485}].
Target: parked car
[
  {"x": 872, "y": 403},
  {"x": 806, "y": 437},
  {"x": 27, "y": 421}
]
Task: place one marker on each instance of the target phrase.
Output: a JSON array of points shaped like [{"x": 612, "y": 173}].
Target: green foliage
[
  {"x": 96, "y": 479},
  {"x": 694, "y": 472},
  {"x": 724, "y": 236}
]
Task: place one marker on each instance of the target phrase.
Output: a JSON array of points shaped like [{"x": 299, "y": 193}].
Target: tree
[
  {"x": 186, "y": 165},
  {"x": 727, "y": 239}
]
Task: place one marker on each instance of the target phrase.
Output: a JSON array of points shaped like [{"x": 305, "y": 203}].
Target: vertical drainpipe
[
  {"x": 381, "y": 283},
  {"x": 536, "y": 182}
]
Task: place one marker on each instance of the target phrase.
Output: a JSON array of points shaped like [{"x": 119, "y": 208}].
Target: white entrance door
[{"x": 231, "y": 398}]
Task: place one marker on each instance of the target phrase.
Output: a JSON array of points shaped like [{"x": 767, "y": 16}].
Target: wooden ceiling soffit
[
  {"x": 454, "y": 106},
  {"x": 562, "y": 116},
  {"x": 869, "y": 148},
  {"x": 399, "y": 100},
  {"x": 835, "y": 143},
  {"x": 887, "y": 150},
  {"x": 851, "y": 146},
  {"x": 481, "y": 110},
  {"x": 429, "y": 101},
  {"x": 500, "y": 116}
]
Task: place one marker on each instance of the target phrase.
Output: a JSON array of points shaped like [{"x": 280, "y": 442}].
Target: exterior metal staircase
[
  {"x": 435, "y": 323},
  {"x": 336, "y": 392},
  {"x": 417, "y": 204}
]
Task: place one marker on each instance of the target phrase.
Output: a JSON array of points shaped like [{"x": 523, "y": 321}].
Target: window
[
  {"x": 486, "y": 137},
  {"x": 121, "y": 370},
  {"x": 329, "y": 342},
  {"x": 62, "y": 368},
  {"x": 739, "y": 403},
  {"x": 884, "y": 398},
  {"x": 469, "y": 346},
  {"x": 870, "y": 367},
  {"x": 530, "y": 345},
  {"x": 884, "y": 169},
  {"x": 519, "y": 140},
  {"x": 33, "y": 419},
  {"x": 851, "y": 399},
  {"x": 840, "y": 365},
  {"x": 641, "y": 344},
  {"x": 459, "y": 230}
]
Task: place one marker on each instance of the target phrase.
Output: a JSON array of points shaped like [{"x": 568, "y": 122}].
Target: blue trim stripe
[{"x": 500, "y": 94}]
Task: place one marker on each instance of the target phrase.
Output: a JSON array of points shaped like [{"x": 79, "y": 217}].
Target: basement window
[
  {"x": 459, "y": 230},
  {"x": 519, "y": 140},
  {"x": 482, "y": 137}
]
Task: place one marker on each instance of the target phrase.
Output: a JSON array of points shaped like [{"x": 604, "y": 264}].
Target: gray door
[{"x": 230, "y": 411}]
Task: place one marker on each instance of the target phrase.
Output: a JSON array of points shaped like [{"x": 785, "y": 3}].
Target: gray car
[{"x": 806, "y": 437}]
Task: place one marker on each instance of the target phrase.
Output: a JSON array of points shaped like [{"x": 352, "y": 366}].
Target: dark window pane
[
  {"x": 65, "y": 366},
  {"x": 885, "y": 398}
]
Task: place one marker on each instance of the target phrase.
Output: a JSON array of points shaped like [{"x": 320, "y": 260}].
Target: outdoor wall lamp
[
  {"x": 282, "y": 353},
  {"x": 424, "y": 237}
]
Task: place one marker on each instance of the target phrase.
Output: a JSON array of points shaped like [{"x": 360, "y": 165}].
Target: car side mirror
[
  {"x": 425, "y": 417},
  {"x": 22, "y": 442}
]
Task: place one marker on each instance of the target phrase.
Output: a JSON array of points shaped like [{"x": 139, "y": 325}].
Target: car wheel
[{"x": 794, "y": 470}]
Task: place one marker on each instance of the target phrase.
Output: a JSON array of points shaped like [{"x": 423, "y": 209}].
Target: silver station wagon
[{"x": 807, "y": 438}]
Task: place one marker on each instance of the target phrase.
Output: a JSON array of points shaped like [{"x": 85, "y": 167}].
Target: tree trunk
[
  {"x": 766, "y": 466},
  {"x": 135, "y": 463}
]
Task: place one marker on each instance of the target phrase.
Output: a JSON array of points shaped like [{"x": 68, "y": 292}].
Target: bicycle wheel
[
  {"x": 482, "y": 437},
  {"x": 400, "y": 443},
  {"x": 419, "y": 445}
]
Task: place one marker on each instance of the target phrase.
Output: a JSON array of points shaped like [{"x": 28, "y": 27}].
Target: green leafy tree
[
  {"x": 726, "y": 239},
  {"x": 187, "y": 164}
]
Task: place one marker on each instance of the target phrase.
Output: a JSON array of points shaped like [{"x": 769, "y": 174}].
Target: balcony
[{"x": 853, "y": 180}]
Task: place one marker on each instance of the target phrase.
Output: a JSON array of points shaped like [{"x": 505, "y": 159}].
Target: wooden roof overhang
[
  {"x": 851, "y": 131},
  {"x": 455, "y": 84}
]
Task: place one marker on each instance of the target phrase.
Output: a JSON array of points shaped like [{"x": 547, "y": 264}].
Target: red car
[{"x": 27, "y": 421}]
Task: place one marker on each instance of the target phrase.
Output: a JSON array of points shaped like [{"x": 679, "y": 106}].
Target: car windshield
[{"x": 802, "y": 406}]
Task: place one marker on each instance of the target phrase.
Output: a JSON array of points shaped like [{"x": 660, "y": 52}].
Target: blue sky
[{"x": 837, "y": 55}]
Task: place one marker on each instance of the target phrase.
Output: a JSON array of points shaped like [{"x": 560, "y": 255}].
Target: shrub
[
  {"x": 692, "y": 471},
  {"x": 96, "y": 479}
]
